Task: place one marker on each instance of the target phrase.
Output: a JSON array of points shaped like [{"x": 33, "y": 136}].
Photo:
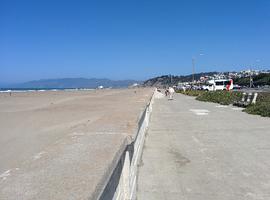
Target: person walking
[
  {"x": 171, "y": 92},
  {"x": 166, "y": 92}
]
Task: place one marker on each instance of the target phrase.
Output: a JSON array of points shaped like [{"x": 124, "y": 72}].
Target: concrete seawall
[
  {"x": 72, "y": 145},
  {"x": 122, "y": 183}
]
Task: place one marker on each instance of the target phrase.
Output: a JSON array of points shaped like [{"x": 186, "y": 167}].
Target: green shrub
[
  {"x": 263, "y": 97},
  {"x": 193, "y": 93},
  {"x": 221, "y": 97},
  {"x": 262, "y": 106}
]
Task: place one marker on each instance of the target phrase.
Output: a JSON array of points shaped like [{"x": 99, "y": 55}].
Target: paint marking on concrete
[
  {"x": 78, "y": 134},
  {"x": 203, "y": 150},
  {"x": 195, "y": 139},
  {"x": 254, "y": 195},
  {"x": 235, "y": 108},
  {"x": 208, "y": 158},
  {"x": 38, "y": 155},
  {"x": 7, "y": 173},
  {"x": 4, "y": 175},
  {"x": 200, "y": 111},
  {"x": 221, "y": 106},
  {"x": 247, "y": 174}
]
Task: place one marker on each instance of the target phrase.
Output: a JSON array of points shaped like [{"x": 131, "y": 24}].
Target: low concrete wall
[{"x": 122, "y": 183}]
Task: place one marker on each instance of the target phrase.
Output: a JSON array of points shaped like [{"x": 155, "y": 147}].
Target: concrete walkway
[{"x": 204, "y": 151}]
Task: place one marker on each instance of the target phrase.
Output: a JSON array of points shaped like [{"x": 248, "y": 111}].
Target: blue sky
[{"x": 130, "y": 39}]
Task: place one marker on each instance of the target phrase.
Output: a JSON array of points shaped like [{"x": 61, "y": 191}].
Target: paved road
[{"x": 203, "y": 151}]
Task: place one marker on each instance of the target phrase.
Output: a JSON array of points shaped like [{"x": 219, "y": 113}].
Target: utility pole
[
  {"x": 193, "y": 69},
  {"x": 250, "y": 76},
  {"x": 250, "y": 79}
]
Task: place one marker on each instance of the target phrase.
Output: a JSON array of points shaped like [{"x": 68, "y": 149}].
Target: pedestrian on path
[
  {"x": 171, "y": 92},
  {"x": 166, "y": 92}
]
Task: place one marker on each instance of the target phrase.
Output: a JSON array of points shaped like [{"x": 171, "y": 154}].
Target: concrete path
[{"x": 204, "y": 151}]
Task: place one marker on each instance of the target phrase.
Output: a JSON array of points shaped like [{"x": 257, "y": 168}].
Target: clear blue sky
[{"x": 130, "y": 39}]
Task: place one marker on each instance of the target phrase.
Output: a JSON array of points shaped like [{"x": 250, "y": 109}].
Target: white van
[{"x": 221, "y": 84}]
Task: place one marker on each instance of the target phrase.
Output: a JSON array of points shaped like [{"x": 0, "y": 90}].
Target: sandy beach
[{"x": 59, "y": 144}]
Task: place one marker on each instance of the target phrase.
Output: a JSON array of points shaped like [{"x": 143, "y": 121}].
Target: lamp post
[
  {"x": 193, "y": 67},
  {"x": 250, "y": 77}
]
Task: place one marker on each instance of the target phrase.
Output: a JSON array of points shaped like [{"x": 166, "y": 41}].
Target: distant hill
[
  {"x": 168, "y": 80},
  {"x": 173, "y": 80},
  {"x": 258, "y": 80},
  {"x": 74, "y": 83}
]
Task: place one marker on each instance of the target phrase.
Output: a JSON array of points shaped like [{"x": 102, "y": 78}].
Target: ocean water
[{"x": 3, "y": 90}]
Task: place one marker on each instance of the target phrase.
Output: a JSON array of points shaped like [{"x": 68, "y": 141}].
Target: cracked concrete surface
[{"x": 221, "y": 155}]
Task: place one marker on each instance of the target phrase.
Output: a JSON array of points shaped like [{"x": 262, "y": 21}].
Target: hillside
[
  {"x": 259, "y": 80},
  {"x": 167, "y": 80}
]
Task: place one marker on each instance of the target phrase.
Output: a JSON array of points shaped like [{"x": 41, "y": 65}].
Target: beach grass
[{"x": 262, "y": 106}]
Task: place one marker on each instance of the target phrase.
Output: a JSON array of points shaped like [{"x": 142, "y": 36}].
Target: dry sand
[{"x": 61, "y": 144}]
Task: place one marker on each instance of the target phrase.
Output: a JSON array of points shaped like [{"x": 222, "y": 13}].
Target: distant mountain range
[{"x": 73, "y": 83}]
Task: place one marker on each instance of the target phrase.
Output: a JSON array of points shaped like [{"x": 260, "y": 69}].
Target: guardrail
[{"x": 122, "y": 184}]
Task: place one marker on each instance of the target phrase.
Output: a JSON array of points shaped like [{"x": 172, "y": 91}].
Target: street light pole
[
  {"x": 250, "y": 79},
  {"x": 250, "y": 76},
  {"x": 193, "y": 69}
]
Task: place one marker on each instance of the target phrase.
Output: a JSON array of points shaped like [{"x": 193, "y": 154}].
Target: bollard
[
  {"x": 243, "y": 97},
  {"x": 254, "y": 98},
  {"x": 249, "y": 97}
]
